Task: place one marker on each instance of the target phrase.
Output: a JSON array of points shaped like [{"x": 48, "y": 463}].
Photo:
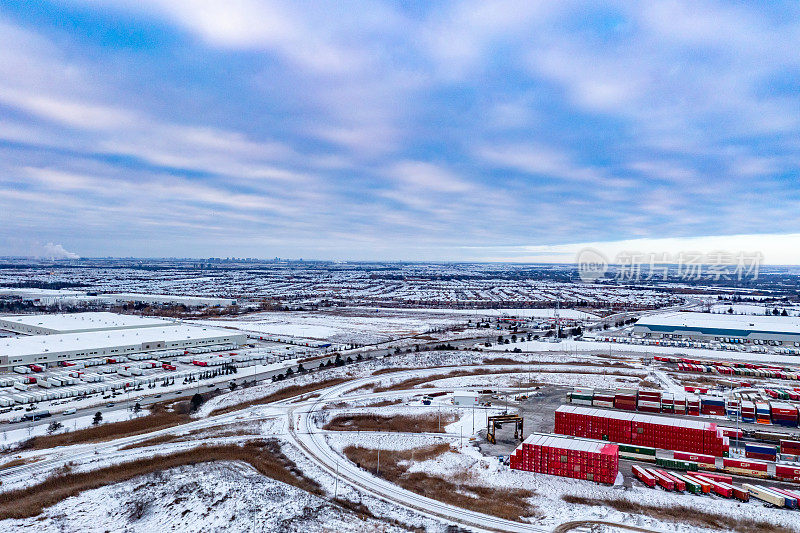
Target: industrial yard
[{"x": 519, "y": 428}]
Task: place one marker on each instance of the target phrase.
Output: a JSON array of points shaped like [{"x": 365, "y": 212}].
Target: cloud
[
  {"x": 56, "y": 251},
  {"x": 360, "y": 129}
]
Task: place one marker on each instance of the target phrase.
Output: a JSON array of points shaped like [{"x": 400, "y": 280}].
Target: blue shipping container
[{"x": 760, "y": 448}]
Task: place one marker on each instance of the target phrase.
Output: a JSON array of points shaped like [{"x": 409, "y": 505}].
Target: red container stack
[
  {"x": 649, "y": 401},
  {"x": 567, "y": 457},
  {"x": 708, "y": 461},
  {"x": 787, "y": 473},
  {"x": 748, "y": 467},
  {"x": 625, "y": 399},
  {"x": 639, "y": 429},
  {"x": 783, "y": 414},
  {"x": 790, "y": 447}
]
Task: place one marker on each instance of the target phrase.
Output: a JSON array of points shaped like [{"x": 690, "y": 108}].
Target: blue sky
[{"x": 403, "y": 130}]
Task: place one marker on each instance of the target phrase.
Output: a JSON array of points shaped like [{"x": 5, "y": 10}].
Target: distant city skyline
[{"x": 457, "y": 131}]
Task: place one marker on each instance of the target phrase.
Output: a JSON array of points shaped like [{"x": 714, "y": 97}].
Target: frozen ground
[
  {"x": 468, "y": 464},
  {"x": 38, "y": 429},
  {"x": 368, "y": 328},
  {"x": 202, "y": 498}
]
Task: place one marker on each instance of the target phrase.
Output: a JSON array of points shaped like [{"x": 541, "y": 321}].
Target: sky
[{"x": 467, "y": 130}]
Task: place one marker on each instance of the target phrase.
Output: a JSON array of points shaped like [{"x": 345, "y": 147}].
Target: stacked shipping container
[
  {"x": 567, "y": 457},
  {"x": 643, "y": 430}
]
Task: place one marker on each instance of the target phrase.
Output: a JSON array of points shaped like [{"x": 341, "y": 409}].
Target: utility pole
[
  {"x": 379, "y": 462},
  {"x": 336, "y": 486}
]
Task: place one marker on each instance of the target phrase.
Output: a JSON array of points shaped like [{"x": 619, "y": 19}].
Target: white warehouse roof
[
  {"x": 720, "y": 322},
  {"x": 81, "y": 322},
  {"x": 98, "y": 340}
]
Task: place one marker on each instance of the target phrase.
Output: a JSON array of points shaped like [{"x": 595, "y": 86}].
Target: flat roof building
[
  {"x": 720, "y": 327},
  {"x": 77, "y": 323},
  {"x": 51, "y": 349}
]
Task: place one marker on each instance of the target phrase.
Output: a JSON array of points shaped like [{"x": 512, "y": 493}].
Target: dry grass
[
  {"x": 19, "y": 462},
  {"x": 162, "y": 415},
  {"x": 410, "y": 383},
  {"x": 683, "y": 514},
  {"x": 510, "y": 504},
  {"x": 213, "y": 432},
  {"x": 392, "y": 370},
  {"x": 286, "y": 392},
  {"x": 264, "y": 456},
  {"x": 428, "y": 423}
]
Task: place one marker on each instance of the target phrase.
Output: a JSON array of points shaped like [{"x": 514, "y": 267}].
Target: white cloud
[{"x": 56, "y": 251}]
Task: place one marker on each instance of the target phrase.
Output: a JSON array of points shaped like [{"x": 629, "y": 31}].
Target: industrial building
[
  {"x": 709, "y": 327},
  {"x": 77, "y": 323},
  {"x": 52, "y": 349}
]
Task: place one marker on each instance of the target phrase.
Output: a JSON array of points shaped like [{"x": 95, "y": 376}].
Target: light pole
[{"x": 336, "y": 485}]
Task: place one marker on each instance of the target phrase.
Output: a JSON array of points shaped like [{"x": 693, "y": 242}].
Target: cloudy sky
[{"x": 403, "y": 130}]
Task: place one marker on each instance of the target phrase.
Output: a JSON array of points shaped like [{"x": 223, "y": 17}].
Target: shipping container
[
  {"x": 765, "y": 495},
  {"x": 567, "y": 457},
  {"x": 644, "y": 476},
  {"x": 790, "y": 498}
]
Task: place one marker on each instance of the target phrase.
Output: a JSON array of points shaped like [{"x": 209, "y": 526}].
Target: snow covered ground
[
  {"x": 201, "y": 498},
  {"x": 467, "y": 463},
  {"x": 365, "y": 328},
  {"x": 38, "y": 429}
]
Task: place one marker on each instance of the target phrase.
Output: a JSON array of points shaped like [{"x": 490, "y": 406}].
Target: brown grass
[
  {"x": 683, "y": 514},
  {"x": 162, "y": 415},
  {"x": 428, "y": 423},
  {"x": 215, "y": 432},
  {"x": 410, "y": 383},
  {"x": 510, "y": 504},
  {"x": 392, "y": 370},
  {"x": 19, "y": 462},
  {"x": 264, "y": 456},
  {"x": 286, "y": 392}
]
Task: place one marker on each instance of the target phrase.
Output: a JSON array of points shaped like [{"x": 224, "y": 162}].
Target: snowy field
[
  {"x": 338, "y": 328},
  {"x": 202, "y": 498}
]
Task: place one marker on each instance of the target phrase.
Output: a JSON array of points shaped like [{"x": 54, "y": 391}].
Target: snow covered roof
[
  {"x": 722, "y": 322},
  {"x": 68, "y": 342},
  {"x": 78, "y": 322}
]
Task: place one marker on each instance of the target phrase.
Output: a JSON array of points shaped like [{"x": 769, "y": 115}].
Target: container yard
[
  {"x": 566, "y": 457},
  {"x": 645, "y": 430}
]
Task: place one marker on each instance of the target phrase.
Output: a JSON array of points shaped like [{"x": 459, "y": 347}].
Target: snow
[
  {"x": 38, "y": 429},
  {"x": 79, "y": 322},
  {"x": 481, "y": 313},
  {"x": 617, "y": 348},
  {"x": 206, "y": 497},
  {"x": 761, "y": 323},
  {"x": 335, "y": 327}
]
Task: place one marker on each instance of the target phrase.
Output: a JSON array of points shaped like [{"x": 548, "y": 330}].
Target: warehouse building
[
  {"x": 77, "y": 323},
  {"x": 709, "y": 327},
  {"x": 52, "y": 349}
]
